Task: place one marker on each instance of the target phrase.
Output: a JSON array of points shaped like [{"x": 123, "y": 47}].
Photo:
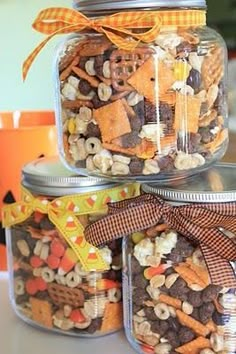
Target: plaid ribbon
[
  {"x": 64, "y": 213},
  {"x": 117, "y": 27},
  {"x": 199, "y": 223}
]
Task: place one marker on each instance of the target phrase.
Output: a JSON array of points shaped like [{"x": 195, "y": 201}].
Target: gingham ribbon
[
  {"x": 63, "y": 212},
  {"x": 117, "y": 27},
  {"x": 198, "y": 222}
]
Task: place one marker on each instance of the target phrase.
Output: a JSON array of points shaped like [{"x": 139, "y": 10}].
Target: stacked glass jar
[
  {"x": 141, "y": 96},
  {"x": 152, "y": 109}
]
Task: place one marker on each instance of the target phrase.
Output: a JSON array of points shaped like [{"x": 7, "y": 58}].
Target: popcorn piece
[
  {"x": 143, "y": 249},
  {"x": 69, "y": 92},
  {"x": 185, "y": 161},
  {"x": 165, "y": 243}
]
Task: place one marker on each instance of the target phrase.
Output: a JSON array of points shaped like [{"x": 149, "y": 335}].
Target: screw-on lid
[
  {"x": 48, "y": 176},
  {"x": 108, "y": 5},
  {"x": 217, "y": 185}
]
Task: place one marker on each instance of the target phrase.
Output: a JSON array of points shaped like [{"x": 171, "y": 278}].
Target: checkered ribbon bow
[
  {"x": 199, "y": 223},
  {"x": 118, "y": 28}
]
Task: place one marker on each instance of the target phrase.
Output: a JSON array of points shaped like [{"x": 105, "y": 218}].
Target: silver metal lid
[
  {"x": 108, "y": 5},
  {"x": 216, "y": 185},
  {"x": 48, "y": 176}
]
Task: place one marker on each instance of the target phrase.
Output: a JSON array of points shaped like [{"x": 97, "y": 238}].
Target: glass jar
[
  {"x": 171, "y": 305},
  {"x": 52, "y": 284},
  {"x": 157, "y": 111}
]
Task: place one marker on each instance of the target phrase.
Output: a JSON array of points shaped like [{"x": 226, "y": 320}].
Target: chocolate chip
[
  {"x": 179, "y": 289},
  {"x": 136, "y": 166},
  {"x": 98, "y": 64},
  {"x": 135, "y": 123},
  {"x": 130, "y": 140},
  {"x": 140, "y": 111},
  {"x": 179, "y": 284},
  {"x": 210, "y": 293},
  {"x": 94, "y": 326},
  {"x": 195, "y": 314},
  {"x": 46, "y": 224},
  {"x": 164, "y": 289},
  {"x": 135, "y": 266},
  {"x": 150, "y": 314},
  {"x": 111, "y": 274},
  {"x": 93, "y": 130},
  {"x": 159, "y": 327},
  {"x": 185, "y": 335},
  {"x": 174, "y": 324},
  {"x": 206, "y": 312},
  {"x": 195, "y": 298},
  {"x": 166, "y": 113},
  {"x": 206, "y": 135},
  {"x": 169, "y": 271},
  {"x": 82, "y": 62},
  {"x": 84, "y": 87},
  {"x": 139, "y": 281},
  {"x": 175, "y": 257},
  {"x": 136, "y": 308},
  {"x": 150, "y": 112},
  {"x": 194, "y": 79},
  {"x": 97, "y": 103},
  {"x": 172, "y": 338},
  {"x": 20, "y": 299},
  {"x": 166, "y": 163},
  {"x": 139, "y": 296}
]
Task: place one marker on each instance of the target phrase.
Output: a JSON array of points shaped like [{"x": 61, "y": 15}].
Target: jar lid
[
  {"x": 104, "y": 5},
  {"x": 48, "y": 176},
  {"x": 216, "y": 185}
]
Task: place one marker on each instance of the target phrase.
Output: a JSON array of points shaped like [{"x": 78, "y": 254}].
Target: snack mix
[
  {"x": 52, "y": 290},
  {"x": 158, "y": 110},
  {"x": 174, "y": 307}
]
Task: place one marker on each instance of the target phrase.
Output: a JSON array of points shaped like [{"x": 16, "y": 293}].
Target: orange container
[{"x": 24, "y": 136}]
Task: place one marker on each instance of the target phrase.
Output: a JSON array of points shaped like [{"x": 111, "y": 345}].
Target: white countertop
[{"x": 17, "y": 337}]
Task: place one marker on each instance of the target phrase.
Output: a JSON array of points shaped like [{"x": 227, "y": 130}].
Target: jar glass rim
[{"x": 216, "y": 185}]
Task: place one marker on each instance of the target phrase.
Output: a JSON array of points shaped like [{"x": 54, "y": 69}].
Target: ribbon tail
[
  {"x": 220, "y": 270},
  {"x": 30, "y": 59},
  {"x": 73, "y": 232}
]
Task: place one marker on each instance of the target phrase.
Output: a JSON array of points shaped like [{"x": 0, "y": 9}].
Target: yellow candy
[
  {"x": 137, "y": 237},
  {"x": 71, "y": 126},
  {"x": 181, "y": 70}
]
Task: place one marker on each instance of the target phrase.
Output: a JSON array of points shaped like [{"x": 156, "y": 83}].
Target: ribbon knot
[
  {"x": 116, "y": 28},
  {"x": 147, "y": 210},
  {"x": 64, "y": 213}
]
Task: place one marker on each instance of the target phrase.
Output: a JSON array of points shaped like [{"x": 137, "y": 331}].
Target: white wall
[{"x": 17, "y": 40}]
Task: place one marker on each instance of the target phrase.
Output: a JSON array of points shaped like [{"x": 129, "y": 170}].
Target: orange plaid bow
[{"x": 58, "y": 20}]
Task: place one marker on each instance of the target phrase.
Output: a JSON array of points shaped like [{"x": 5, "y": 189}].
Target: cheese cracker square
[
  {"x": 112, "y": 120},
  {"x": 41, "y": 312},
  {"x": 152, "y": 79},
  {"x": 187, "y": 113}
]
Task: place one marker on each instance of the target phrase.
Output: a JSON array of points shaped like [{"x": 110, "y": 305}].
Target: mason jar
[
  {"x": 141, "y": 90},
  {"x": 58, "y": 281},
  {"x": 179, "y": 253},
  {"x": 171, "y": 304}
]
